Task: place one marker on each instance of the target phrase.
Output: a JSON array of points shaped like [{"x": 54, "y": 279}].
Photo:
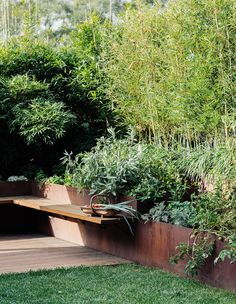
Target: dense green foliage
[
  {"x": 43, "y": 120},
  {"x": 176, "y": 68},
  {"x": 213, "y": 168},
  {"x": 177, "y": 213},
  {"x": 176, "y": 84},
  {"x": 187, "y": 190},
  {"x": 211, "y": 162},
  {"x": 128, "y": 167},
  {"x": 169, "y": 71},
  {"x": 51, "y": 95},
  {"x": 129, "y": 284}
]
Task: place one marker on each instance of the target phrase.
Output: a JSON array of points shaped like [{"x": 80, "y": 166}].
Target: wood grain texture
[
  {"x": 34, "y": 252},
  {"x": 74, "y": 211},
  {"x": 57, "y": 208},
  {"x": 34, "y": 202}
]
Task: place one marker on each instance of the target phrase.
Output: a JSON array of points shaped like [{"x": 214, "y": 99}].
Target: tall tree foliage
[
  {"x": 51, "y": 17},
  {"x": 176, "y": 67},
  {"x": 51, "y": 95}
]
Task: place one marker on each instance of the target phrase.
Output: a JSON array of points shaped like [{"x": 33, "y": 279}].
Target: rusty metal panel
[
  {"x": 152, "y": 245},
  {"x": 15, "y": 188}
]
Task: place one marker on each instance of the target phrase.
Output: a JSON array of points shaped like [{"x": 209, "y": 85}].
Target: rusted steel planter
[
  {"x": 15, "y": 188},
  {"x": 152, "y": 244},
  {"x": 61, "y": 193},
  {"x": 71, "y": 195}
]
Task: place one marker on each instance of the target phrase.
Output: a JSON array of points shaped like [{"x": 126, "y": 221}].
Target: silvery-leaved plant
[{"x": 17, "y": 178}]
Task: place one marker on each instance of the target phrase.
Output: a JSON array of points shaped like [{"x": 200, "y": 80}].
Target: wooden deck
[{"x": 34, "y": 252}]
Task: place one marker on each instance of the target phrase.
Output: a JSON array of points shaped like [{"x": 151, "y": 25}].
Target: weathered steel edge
[
  {"x": 152, "y": 245},
  {"x": 15, "y": 188}
]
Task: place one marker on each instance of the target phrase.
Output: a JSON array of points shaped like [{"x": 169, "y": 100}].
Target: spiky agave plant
[{"x": 127, "y": 211}]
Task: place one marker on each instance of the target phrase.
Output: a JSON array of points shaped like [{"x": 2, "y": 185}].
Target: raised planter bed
[
  {"x": 152, "y": 244},
  {"x": 60, "y": 193},
  {"x": 71, "y": 195},
  {"x": 15, "y": 188}
]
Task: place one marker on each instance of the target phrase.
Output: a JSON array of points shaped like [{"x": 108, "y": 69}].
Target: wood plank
[
  {"x": 34, "y": 202},
  {"x": 74, "y": 211},
  {"x": 17, "y": 254},
  {"x": 58, "y": 208},
  {"x": 6, "y": 200},
  {"x": 12, "y": 198}
]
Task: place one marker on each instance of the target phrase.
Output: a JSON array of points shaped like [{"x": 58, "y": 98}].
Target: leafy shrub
[
  {"x": 215, "y": 218},
  {"x": 40, "y": 176},
  {"x": 24, "y": 87},
  {"x": 67, "y": 75},
  {"x": 124, "y": 166},
  {"x": 111, "y": 167},
  {"x": 209, "y": 163},
  {"x": 177, "y": 213},
  {"x": 55, "y": 179},
  {"x": 212, "y": 167},
  {"x": 17, "y": 178},
  {"x": 42, "y": 120},
  {"x": 196, "y": 252}
]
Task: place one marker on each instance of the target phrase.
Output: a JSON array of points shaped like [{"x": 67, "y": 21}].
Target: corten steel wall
[
  {"x": 60, "y": 193},
  {"x": 16, "y": 219},
  {"x": 70, "y": 195},
  {"x": 15, "y": 188},
  {"x": 152, "y": 244}
]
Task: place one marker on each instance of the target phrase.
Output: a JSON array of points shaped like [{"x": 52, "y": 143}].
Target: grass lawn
[{"x": 122, "y": 284}]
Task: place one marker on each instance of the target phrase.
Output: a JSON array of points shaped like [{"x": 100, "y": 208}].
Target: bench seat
[{"x": 57, "y": 208}]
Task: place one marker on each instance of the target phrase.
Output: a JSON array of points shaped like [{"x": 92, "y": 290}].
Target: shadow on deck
[{"x": 21, "y": 253}]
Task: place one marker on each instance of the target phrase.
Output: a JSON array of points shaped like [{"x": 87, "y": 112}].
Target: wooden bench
[{"x": 57, "y": 208}]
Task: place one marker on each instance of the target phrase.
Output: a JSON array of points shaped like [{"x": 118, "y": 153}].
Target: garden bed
[
  {"x": 15, "y": 188},
  {"x": 153, "y": 243}
]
